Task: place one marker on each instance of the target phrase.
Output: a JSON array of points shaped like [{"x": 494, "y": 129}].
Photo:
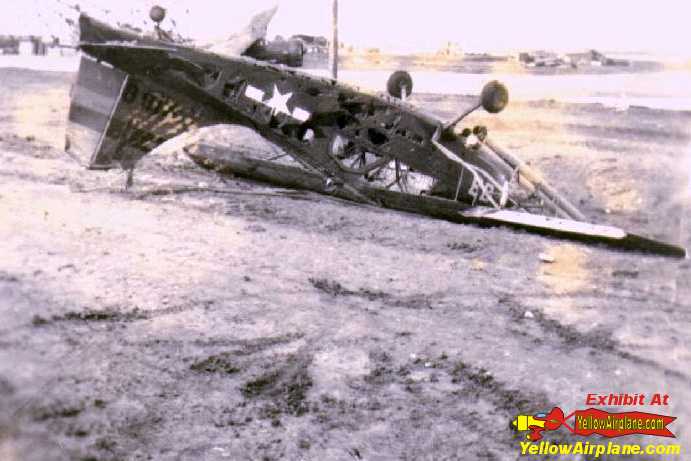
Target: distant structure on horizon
[
  {"x": 591, "y": 58},
  {"x": 313, "y": 44},
  {"x": 22, "y": 45},
  {"x": 32, "y": 45},
  {"x": 450, "y": 50},
  {"x": 594, "y": 58}
]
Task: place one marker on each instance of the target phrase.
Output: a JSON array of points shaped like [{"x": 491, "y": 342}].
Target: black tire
[
  {"x": 494, "y": 97},
  {"x": 157, "y": 14},
  {"x": 397, "y": 80}
]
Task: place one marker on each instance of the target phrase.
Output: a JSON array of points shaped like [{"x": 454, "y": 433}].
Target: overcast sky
[{"x": 496, "y": 25}]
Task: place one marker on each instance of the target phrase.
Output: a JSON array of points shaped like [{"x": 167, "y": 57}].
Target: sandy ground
[{"x": 256, "y": 324}]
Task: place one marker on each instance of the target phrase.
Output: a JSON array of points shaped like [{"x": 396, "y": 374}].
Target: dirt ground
[{"x": 251, "y": 323}]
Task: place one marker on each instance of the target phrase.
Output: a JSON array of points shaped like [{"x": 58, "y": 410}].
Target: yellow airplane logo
[{"x": 523, "y": 422}]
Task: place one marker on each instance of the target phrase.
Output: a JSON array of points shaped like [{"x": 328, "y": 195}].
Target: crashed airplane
[{"x": 133, "y": 93}]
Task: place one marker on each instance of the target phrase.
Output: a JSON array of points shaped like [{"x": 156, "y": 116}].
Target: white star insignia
[{"x": 279, "y": 102}]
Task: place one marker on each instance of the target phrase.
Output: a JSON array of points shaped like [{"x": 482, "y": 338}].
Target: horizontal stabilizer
[{"x": 95, "y": 95}]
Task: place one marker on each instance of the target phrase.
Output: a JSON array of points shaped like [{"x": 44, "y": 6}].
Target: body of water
[{"x": 670, "y": 90}]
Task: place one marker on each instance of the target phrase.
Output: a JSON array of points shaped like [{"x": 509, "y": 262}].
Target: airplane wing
[
  {"x": 225, "y": 161},
  {"x": 239, "y": 42}
]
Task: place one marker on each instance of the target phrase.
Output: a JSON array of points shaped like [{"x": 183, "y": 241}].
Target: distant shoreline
[
  {"x": 481, "y": 63},
  {"x": 655, "y": 89}
]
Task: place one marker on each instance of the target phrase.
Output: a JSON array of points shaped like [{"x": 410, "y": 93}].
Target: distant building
[
  {"x": 313, "y": 44},
  {"x": 9, "y": 44},
  {"x": 450, "y": 50},
  {"x": 27, "y": 45},
  {"x": 541, "y": 58},
  {"x": 33, "y": 45},
  {"x": 594, "y": 58}
]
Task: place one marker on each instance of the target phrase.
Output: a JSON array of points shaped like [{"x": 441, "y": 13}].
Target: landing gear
[
  {"x": 400, "y": 84},
  {"x": 493, "y": 99},
  {"x": 157, "y": 14}
]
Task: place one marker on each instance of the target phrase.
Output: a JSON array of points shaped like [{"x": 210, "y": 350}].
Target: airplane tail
[{"x": 116, "y": 118}]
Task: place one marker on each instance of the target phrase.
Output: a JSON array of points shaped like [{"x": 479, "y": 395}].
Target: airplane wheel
[
  {"x": 494, "y": 97},
  {"x": 157, "y": 14},
  {"x": 398, "y": 81}
]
